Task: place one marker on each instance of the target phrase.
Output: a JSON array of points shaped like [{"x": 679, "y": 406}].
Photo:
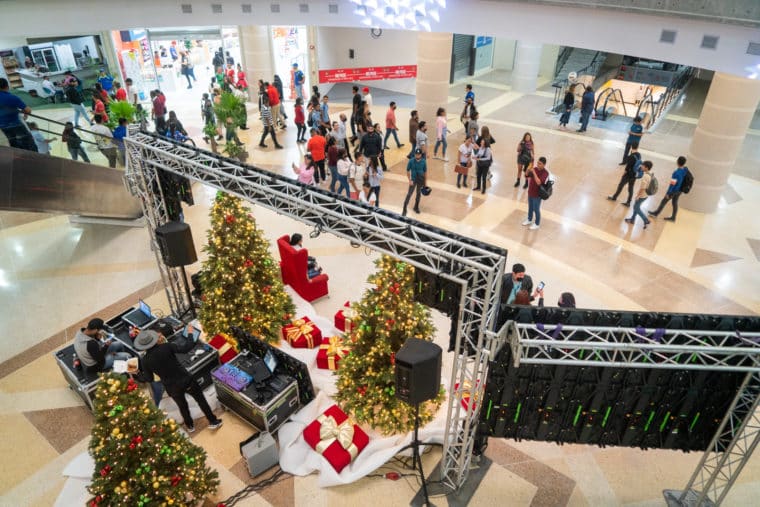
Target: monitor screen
[
  {"x": 143, "y": 306},
  {"x": 191, "y": 332},
  {"x": 270, "y": 361}
]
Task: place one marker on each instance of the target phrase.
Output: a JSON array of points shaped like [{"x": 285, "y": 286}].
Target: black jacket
[
  {"x": 371, "y": 145},
  {"x": 162, "y": 361}
]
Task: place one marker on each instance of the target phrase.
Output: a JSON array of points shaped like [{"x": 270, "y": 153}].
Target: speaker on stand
[
  {"x": 418, "y": 378},
  {"x": 175, "y": 241}
]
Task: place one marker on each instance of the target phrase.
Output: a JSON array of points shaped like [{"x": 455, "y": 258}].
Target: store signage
[
  {"x": 482, "y": 40},
  {"x": 367, "y": 74}
]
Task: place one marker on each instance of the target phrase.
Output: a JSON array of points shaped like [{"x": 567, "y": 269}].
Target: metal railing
[{"x": 561, "y": 85}]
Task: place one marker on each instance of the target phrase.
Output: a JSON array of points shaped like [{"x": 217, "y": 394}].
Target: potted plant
[
  {"x": 209, "y": 135},
  {"x": 230, "y": 106},
  {"x": 234, "y": 150}
]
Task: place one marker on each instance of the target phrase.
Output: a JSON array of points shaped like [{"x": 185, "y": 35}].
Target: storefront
[{"x": 289, "y": 46}]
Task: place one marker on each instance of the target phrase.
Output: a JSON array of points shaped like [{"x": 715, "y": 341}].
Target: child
[
  {"x": 73, "y": 142},
  {"x": 367, "y": 195},
  {"x": 119, "y": 133},
  {"x": 300, "y": 121},
  {"x": 43, "y": 145}
]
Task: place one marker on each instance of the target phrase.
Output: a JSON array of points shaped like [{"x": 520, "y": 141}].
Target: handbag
[
  {"x": 460, "y": 169},
  {"x": 484, "y": 163}
]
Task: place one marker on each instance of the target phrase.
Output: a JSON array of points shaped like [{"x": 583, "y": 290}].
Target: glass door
[{"x": 45, "y": 57}]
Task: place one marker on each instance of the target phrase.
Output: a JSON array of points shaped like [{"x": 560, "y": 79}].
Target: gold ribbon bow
[
  {"x": 330, "y": 431},
  {"x": 349, "y": 314},
  {"x": 467, "y": 391},
  {"x": 224, "y": 349},
  {"x": 298, "y": 329},
  {"x": 336, "y": 349}
]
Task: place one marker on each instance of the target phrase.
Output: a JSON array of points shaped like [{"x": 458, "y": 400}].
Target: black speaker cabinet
[
  {"x": 418, "y": 371},
  {"x": 176, "y": 243}
]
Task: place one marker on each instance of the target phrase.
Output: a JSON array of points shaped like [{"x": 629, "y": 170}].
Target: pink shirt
[
  {"x": 390, "y": 119},
  {"x": 305, "y": 174},
  {"x": 440, "y": 127}
]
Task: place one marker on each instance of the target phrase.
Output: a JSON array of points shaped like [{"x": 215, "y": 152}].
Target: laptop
[
  {"x": 191, "y": 332},
  {"x": 141, "y": 317},
  {"x": 262, "y": 370}
]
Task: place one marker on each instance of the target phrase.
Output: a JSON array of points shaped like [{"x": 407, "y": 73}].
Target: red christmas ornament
[
  {"x": 362, "y": 390},
  {"x": 203, "y": 297},
  {"x": 176, "y": 479},
  {"x": 229, "y": 219},
  {"x": 139, "y": 439},
  {"x": 393, "y": 358},
  {"x": 248, "y": 263},
  {"x": 131, "y": 385},
  {"x": 104, "y": 471},
  {"x": 266, "y": 289},
  {"x": 247, "y": 318},
  {"x": 132, "y": 446}
]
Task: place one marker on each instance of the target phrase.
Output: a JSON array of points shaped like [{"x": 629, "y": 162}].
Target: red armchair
[{"x": 293, "y": 267}]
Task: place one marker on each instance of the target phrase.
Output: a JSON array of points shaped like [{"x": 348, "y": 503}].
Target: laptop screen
[
  {"x": 191, "y": 332},
  {"x": 143, "y": 306},
  {"x": 270, "y": 361}
]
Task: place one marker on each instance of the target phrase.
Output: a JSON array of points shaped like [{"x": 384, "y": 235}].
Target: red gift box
[
  {"x": 331, "y": 352},
  {"x": 333, "y": 436},
  {"x": 343, "y": 318},
  {"x": 302, "y": 334},
  {"x": 226, "y": 349},
  {"x": 467, "y": 394}
]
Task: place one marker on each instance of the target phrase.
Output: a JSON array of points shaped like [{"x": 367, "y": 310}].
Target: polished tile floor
[{"x": 54, "y": 274}]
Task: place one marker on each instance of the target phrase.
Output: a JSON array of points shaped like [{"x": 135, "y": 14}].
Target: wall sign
[
  {"x": 482, "y": 40},
  {"x": 367, "y": 74}
]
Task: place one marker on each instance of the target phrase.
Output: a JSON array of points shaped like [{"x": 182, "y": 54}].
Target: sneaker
[
  {"x": 278, "y": 146},
  {"x": 517, "y": 183},
  {"x": 533, "y": 227},
  {"x": 527, "y": 222},
  {"x": 445, "y": 159},
  {"x": 262, "y": 145},
  {"x": 189, "y": 429},
  {"x": 610, "y": 198},
  {"x": 646, "y": 223},
  {"x": 653, "y": 214},
  {"x": 670, "y": 219},
  {"x": 216, "y": 424},
  {"x": 629, "y": 220},
  {"x": 626, "y": 204},
  {"x": 459, "y": 186}
]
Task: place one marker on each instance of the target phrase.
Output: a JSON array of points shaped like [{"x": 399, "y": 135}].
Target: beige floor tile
[{"x": 37, "y": 452}]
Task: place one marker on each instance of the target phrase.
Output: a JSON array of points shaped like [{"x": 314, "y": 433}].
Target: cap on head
[
  {"x": 365, "y": 89},
  {"x": 96, "y": 324},
  {"x": 418, "y": 151},
  {"x": 145, "y": 340}
]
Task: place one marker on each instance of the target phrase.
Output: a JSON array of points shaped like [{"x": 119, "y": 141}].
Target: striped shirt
[{"x": 266, "y": 116}]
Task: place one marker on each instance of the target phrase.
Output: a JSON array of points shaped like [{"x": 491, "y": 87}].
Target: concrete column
[
  {"x": 433, "y": 71},
  {"x": 312, "y": 37},
  {"x": 256, "y": 52},
  {"x": 728, "y": 110},
  {"x": 527, "y": 64}
]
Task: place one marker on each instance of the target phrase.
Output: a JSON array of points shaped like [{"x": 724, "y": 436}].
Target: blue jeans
[
  {"x": 585, "y": 117},
  {"x": 343, "y": 184},
  {"x": 438, "y": 142},
  {"x": 115, "y": 351},
  {"x": 388, "y": 133},
  {"x": 334, "y": 176},
  {"x": 79, "y": 110},
  {"x": 637, "y": 210},
  {"x": 534, "y": 206},
  {"x": 376, "y": 191},
  {"x": 411, "y": 152},
  {"x": 461, "y": 179},
  {"x": 157, "y": 390}
]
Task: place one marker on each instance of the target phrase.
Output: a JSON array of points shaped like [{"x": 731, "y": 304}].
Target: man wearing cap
[
  {"x": 367, "y": 97},
  {"x": 416, "y": 170},
  {"x": 94, "y": 354},
  {"x": 298, "y": 80},
  {"x": 160, "y": 360}
]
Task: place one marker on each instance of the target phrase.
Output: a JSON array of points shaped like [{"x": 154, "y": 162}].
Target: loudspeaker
[
  {"x": 260, "y": 453},
  {"x": 351, "y": 53},
  {"x": 176, "y": 243},
  {"x": 418, "y": 371}
]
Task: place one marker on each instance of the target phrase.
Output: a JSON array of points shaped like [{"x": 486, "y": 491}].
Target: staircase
[{"x": 579, "y": 60}]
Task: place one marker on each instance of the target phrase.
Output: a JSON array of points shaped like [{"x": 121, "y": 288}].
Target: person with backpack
[
  {"x": 646, "y": 188},
  {"x": 536, "y": 177},
  {"x": 298, "y": 81},
  {"x": 630, "y": 174},
  {"x": 680, "y": 183},
  {"x": 634, "y": 136}
]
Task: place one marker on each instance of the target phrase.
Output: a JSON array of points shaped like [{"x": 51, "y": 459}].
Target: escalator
[{"x": 30, "y": 181}]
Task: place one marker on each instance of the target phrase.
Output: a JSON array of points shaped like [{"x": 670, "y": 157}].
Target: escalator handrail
[
  {"x": 77, "y": 127},
  {"x": 599, "y": 98},
  {"x": 61, "y": 133}
]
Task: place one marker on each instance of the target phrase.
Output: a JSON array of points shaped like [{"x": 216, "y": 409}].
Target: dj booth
[{"x": 200, "y": 361}]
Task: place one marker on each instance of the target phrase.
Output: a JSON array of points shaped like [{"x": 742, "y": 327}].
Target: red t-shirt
[
  {"x": 532, "y": 185},
  {"x": 316, "y": 146},
  {"x": 274, "y": 97},
  {"x": 300, "y": 118},
  {"x": 121, "y": 94}
]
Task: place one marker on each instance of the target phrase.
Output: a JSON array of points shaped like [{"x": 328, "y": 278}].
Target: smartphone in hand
[{"x": 540, "y": 286}]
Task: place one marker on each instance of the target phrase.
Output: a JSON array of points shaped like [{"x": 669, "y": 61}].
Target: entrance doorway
[{"x": 289, "y": 46}]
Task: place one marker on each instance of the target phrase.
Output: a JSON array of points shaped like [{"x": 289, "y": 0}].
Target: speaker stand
[
  {"x": 190, "y": 309},
  {"x": 416, "y": 459}
]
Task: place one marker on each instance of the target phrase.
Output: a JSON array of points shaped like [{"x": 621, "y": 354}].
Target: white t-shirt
[
  {"x": 363, "y": 197},
  {"x": 464, "y": 153},
  {"x": 103, "y": 136}
]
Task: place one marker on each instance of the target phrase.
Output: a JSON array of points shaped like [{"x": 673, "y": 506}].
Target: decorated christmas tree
[
  {"x": 386, "y": 316},
  {"x": 141, "y": 458},
  {"x": 241, "y": 282}
]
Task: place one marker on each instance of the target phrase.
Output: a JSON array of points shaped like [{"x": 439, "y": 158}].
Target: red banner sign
[{"x": 367, "y": 74}]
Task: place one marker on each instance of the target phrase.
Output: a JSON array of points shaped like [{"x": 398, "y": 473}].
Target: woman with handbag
[
  {"x": 525, "y": 154},
  {"x": 567, "y": 108},
  {"x": 465, "y": 162},
  {"x": 483, "y": 161}
]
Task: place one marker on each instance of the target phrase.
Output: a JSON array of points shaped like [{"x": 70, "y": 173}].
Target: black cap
[
  {"x": 418, "y": 151},
  {"x": 96, "y": 324}
]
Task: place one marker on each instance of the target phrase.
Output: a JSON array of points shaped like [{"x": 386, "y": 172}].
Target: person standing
[
  {"x": 159, "y": 108},
  {"x": 465, "y": 160},
  {"x": 674, "y": 190},
  {"x": 94, "y": 350},
  {"x": 413, "y": 126},
  {"x": 274, "y": 102},
  {"x": 104, "y": 140},
  {"x": 300, "y": 121},
  {"x": 634, "y": 137},
  {"x": 119, "y": 92},
  {"x": 567, "y": 107},
  {"x": 187, "y": 68},
  {"x": 277, "y": 82},
  {"x": 316, "y": 146},
  {"x": 332, "y": 161},
  {"x": 324, "y": 110},
  {"x": 267, "y": 119},
  {"x": 642, "y": 194},
  {"x": 374, "y": 179},
  {"x": 73, "y": 142},
  {"x": 467, "y": 112},
  {"x": 10, "y": 106},
  {"x": 587, "y": 107},
  {"x": 441, "y": 131},
  {"x": 356, "y": 102},
  {"x": 131, "y": 92},
  {"x": 526, "y": 153},
  {"x": 160, "y": 359},
  {"x": 422, "y": 139},
  {"x": 632, "y": 164},
  {"x": 367, "y": 97},
  {"x": 306, "y": 170},
  {"x": 536, "y": 177},
  {"x": 483, "y": 160},
  {"x": 340, "y": 134},
  {"x": 390, "y": 126},
  {"x": 298, "y": 81},
  {"x": 344, "y": 168},
  {"x": 416, "y": 174},
  {"x": 371, "y": 144},
  {"x": 119, "y": 133}
]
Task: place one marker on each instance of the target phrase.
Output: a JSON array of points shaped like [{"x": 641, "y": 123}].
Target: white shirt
[
  {"x": 368, "y": 100},
  {"x": 363, "y": 197},
  {"x": 103, "y": 137}
]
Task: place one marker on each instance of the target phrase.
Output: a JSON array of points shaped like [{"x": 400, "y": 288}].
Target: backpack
[
  {"x": 299, "y": 78},
  {"x": 687, "y": 182},
  {"x": 653, "y": 186},
  {"x": 637, "y": 170},
  {"x": 545, "y": 190}
]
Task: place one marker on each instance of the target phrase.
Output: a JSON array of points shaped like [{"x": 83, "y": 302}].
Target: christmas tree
[
  {"x": 241, "y": 282},
  {"x": 140, "y": 456},
  {"x": 386, "y": 316}
]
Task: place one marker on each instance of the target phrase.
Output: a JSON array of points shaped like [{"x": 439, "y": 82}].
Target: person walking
[
  {"x": 340, "y": 135},
  {"x": 76, "y": 99},
  {"x": 344, "y": 168},
  {"x": 526, "y": 151},
  {"x": 374, "y": 179},
  {"x": 587, "y": 107},
  {"x": 316, "y": 146},
  {"x": 371, "y": 144},
  {"x": 567, "y": 107},
  {"x": 642, "y": 194},
  {"x": 413, "y": 126},
  {"x": 10, "y": 106},
  {"x": 441, "y": 131},
  {"x": 631, "y": 172},
  {"x": 674, "y": 190},
  {"x": 73, "y": 142},
  {"x": 104, "y": 139},
  {"x": 537, "y": 177},
  {"x": 300, "y": 121},
  {"x": 422, "y": 139},
  {"x": 634, "y": 137},
  {"x": 390, "y": 126},
  {"x": 267, "y": 119},
  {"x": 467, "y": 112},
  {"x": 416, "y": 174},
  {"x": 483, "y": 159},
  {"x": 332, "y": 161},
  {"x": 356, "y": 102},
  {"x": 298, "y": 81}
]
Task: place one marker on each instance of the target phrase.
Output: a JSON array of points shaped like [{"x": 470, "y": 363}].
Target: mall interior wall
[
  {"x": 551, "y": 24},
  {"x": 393, "y": 47}
]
